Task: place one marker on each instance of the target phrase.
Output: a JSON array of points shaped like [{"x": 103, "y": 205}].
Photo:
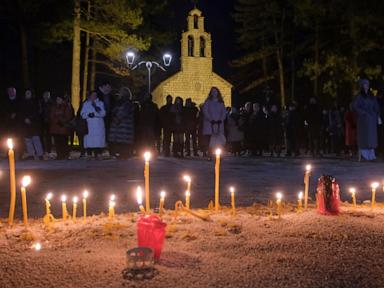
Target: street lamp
[{"x": 130, "y": 56}]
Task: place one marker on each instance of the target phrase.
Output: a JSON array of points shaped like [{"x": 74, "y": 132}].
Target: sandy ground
[{"x": 249, "y": 250}]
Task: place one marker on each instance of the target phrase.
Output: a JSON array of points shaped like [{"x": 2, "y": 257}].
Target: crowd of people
[{"x": 114, "y": 122}]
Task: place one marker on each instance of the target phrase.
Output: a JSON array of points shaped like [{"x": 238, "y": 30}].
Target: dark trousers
[
  {"x": 191, "y": 135},
  {"x": 167, "y": 137},
  {"x": 314, "y": 141},
  {"x": 46, "y": 139},
  {"x": 125, "y": 150},
  {"x": 61, "y": 143}
]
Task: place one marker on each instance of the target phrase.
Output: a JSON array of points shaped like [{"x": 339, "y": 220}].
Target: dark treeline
[{"x": 308, "y": 48}]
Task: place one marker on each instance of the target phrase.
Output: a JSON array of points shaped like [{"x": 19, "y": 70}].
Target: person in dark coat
[
  {"x": 380, "y": 128},
  {"x": 31, "y": 126},
  {"x": 367, "y": 111},
  {"x": 61, "y": 114},
  {"x": 336, "y": 129},
  {"x": 166, "y": 121},
  {"x": 190, "y": 121},
  {"x": 148, "y": 124},
  {"x": 246, "y": 126},
  {"x": 256, "y": 130},
  {"x": 275, "y": 131},
  {"x": 121, "y": 132},
  {"x": 350, "y": 130},
  {"x": 45, "y": 108},
  {"x": 178, "y": 130},
  {"x": 312, "y": 119},
  {"x": 235, "y": 134},
  {"x": 292, "y": 130}
]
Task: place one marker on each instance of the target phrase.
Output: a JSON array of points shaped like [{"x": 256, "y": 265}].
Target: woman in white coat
[{"x": 94, "y": 112}]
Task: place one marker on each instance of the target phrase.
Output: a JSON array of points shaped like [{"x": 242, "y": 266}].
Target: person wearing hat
[{"x": 367, "y": 111}]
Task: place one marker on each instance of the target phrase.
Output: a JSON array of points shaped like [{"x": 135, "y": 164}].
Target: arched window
[
  {"x": 202, "y": 47},
  {"x": 195, "y": 22},
  {"x": 191, "y": 45}
]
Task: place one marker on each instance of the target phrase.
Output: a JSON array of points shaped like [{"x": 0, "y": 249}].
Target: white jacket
[{"x": 96, "y": 127}]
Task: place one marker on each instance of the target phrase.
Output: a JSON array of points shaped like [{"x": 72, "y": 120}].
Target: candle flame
[
  {"x": 63, "y": 198},
  {"x": 36, "y": 246},
  {"x": 308, "y": 167},
  {"x": 113, "y": 197},
  {"x": 300, "y": 195},
  {"x": 279, "y": 195},
  {"x": 112, "y": 204},
  {"x": 352, "y": 190},
  {"x": 147, "y": 156},
  {"x": 75, "y": 200},
  {"x": 232, "y": 189},
  {"x": 10, "y": 143},
  {"x": 162, "y": 195},
  {"x": 218, "y": 152},
  {"x": 139, "y": 195},
  {"x": 85, "y": 194},
  {"x": 187, "y": 178},
  {"x": 49, "y": 196},
  {"x": 374, "y": 185},
  {"x": 26, "y": 181}
]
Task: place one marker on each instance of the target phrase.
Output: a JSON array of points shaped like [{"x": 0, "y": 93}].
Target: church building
[{"x": 196, "y": 76}]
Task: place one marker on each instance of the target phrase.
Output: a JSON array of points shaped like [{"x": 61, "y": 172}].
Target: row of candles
[{"x": 302, "y": 196}]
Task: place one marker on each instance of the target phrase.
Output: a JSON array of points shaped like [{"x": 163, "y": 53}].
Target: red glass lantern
[
  {"x": 328, "y": 196},
  {"x": 151, "y": 233}
]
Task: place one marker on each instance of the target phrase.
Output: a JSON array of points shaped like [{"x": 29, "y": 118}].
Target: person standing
[
  {"x": 191, "y": 123},
  {"x": 235, "y": 135},
  {"x": 350, "y": 130},
  {"x": 313, "y": 124},
  {"x": 166, "y": 122},
  {"x": 367, "y": 111},
  {"x": 256, "y": 122},
  {"x": 31, "y": 126},
  {"x": 45, "y": 107},
  {"x": 292, "y": 130},
  {"x": 121, "y": 132},
  {"x": 178, "y": 128},
  {"x": 94, "y": 112},
  {"x": 61, "y": 115},
  {"x": 275, "y": 131},
  {"x": 148, "y": 124},
  {"x": 214, "y": 114}
]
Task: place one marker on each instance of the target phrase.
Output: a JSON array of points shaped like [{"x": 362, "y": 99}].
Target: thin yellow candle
[
  {"x": 217, "y": 179},
  {"x": 64, "y": 207},
  {"x": 279, "y": 197},
  {"x": 188, "y": 179},
  {"x": 307, "y": 176},
  {"x": 374, "y": 186},
  {"x": 353, "y": 193},
  {"x": 12, "y": 181},
  {"x": 162, "y": 200},
  {"x": 48, "y": 205},
  {"x": 74, "y": 210},
  {"x": 187, "y": 199},
  {"x": 233, "y": 204},
  {"x": 300, "y": 202},
  {"x": 25, "y": 182},
  {"x": 139, "y": 197},
  {"x": 147, "y": 157},
  {"x": 85, "y": 196},
  {"x": 111, "y": 208}
]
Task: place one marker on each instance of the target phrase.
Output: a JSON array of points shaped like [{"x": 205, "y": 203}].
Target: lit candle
[
  {"x": 217, "y": 179},
  {"x": 139, "y": 197},
  {"x": 12, "y": 181},
  {"x": 307, "y": 176},
  {"x": 147, "y": 157},
  {"x": 300, "y": 202},
  {"x": 111, "y": 209},
  {"x": 353, "y": 193},
  {"x": 64, "y": 207},
  {"x": 232, "y": 190},
  {"x": 188, "y": 179},
  {"x": 85, "y": 196},
  {"x": 162, "y": 200},
  {"x": 25, "y": 182},
  {"x": 36, "y": 246},
  {"x": 74, "y": 211},
  {"x": 374, "y": 186},
  {"x": 279, "y": 197},
  {"x": 48, "y": 205},
  {"x": 187, "y": 199}
]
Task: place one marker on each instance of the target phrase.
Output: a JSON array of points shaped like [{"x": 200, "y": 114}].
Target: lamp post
[{"x": 130, "y": 56}]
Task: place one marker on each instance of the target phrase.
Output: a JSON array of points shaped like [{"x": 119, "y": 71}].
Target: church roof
[{"x": 195, "y": 11}]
